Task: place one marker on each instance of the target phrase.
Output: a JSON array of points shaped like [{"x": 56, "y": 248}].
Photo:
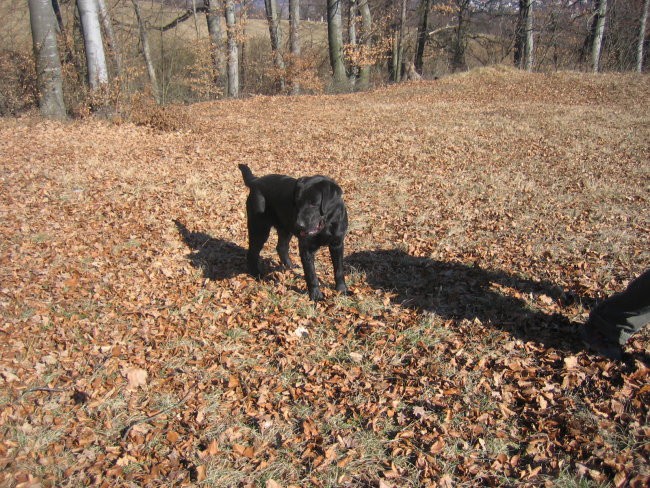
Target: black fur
[{"x": 311, "y": 208}]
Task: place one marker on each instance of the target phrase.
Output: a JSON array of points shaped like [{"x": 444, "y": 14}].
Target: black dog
[{"x": 310, "y": 208}]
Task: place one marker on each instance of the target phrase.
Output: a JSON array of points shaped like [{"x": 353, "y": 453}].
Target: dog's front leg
[
  {"x": 336, "y": 253},
  {"x": 307, "y": 258}
]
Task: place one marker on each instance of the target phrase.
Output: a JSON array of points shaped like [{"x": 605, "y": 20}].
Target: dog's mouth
[{"x": 313, "y": 231}]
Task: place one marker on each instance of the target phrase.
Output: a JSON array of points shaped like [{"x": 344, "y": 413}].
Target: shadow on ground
[
  {"x": 454, "y": 290},
  {"x": 450, "y": 290},
  {"x": 219, "y": 259}
]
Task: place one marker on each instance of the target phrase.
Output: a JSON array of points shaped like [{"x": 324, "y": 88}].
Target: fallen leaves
[
  {"x": 136, "y": 377},
  {"x": 482, "y": 225}
]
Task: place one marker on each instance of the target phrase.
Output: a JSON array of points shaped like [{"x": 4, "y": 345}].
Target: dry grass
[{"x": 488, "y": 211}]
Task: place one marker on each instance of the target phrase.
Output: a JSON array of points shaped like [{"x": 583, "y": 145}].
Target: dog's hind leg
[
  {"x": 258, "y": 233},
  {"x": 284, "y": 238}
]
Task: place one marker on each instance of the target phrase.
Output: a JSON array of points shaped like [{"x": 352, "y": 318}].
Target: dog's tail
[{"x": 247, "y": 174}]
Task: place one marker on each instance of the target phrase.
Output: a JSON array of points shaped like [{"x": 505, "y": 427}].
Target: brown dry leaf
[
  {"x": 136, "y": 377},
  {"x": 571, "y": 362},
  {"x": 201, "y": 473},
  {"x": 173, "y": 436}
]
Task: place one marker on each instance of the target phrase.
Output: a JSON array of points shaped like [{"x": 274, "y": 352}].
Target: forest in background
[{"x": 186, "y": 60}]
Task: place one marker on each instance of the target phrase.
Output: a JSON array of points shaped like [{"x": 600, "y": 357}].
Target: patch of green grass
[
  {"x": 569, "y": 479},
  {"x": 40, "y": 237}
]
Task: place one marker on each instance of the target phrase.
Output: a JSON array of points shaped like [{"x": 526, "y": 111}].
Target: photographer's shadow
[{"x": 457, "y": 291}]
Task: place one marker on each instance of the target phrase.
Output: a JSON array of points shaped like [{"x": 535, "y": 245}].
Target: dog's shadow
[
  {"x": 219, "y": 259},
  {"x": 456, "y": 291},
  {"x": 450, "y": 290}
]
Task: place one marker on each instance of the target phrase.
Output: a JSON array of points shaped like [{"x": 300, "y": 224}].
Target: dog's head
[{"x": 316, "y": 199}]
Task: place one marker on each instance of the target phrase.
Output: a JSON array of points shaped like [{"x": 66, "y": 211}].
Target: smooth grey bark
[
  {"x": 111, "y": 40},
  {"x": 423, "y": 28},
  {"x": 273, "y": 19},
  {"x": 365, "y": 40},
  {"x": 46, "y": 53},
  {"x": 600, "y": 15},
  {"x": 213, "y": 18},
  {"x": 335, "y": 40},
  {"x": 233, "y": 50},
  {"x": 93, "y": 43},
  {"x": 642, "y": 25},
  {"x": 144, "y": 41},
  {"x": 294, "y": 40}
]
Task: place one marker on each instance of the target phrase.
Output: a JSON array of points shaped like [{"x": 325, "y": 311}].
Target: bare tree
[
  {"x": 144, "y": 41},
  {"x": 273, "y": 18},
  {"x": 423, "y": 28},
  {"x": 233, "y": 49},
  {"x": 523, "y": 56},
  {"x": 365, "y": 41},
  {"x": 335, "y": 39},
  {"x": 639, "y": 50},
  {"x": 352, "y": 38},
  {"x": 48, "y": 64},
  {"x": 598, "y": 27},
  {"x": 213, "y": 18},
  {"x": 294, "y": 40},
  {"x": 398, "y": 44},
  {"x": 93, "y": 43},
  {"x": 111, "y": 40},
  {"x": 459, "y": 41}
]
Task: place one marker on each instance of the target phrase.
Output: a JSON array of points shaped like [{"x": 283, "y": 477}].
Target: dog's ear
[{"x": 331, "y": 196}]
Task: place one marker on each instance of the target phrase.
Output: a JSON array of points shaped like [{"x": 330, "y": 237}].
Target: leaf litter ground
[{"x": 488, "y": 210}]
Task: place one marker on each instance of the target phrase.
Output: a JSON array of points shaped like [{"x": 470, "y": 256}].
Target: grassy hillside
[{"x": 488, "y": 212}]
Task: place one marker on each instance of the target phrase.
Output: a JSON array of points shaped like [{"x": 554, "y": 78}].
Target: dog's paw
[
  {"x": 316, "y": 295},
  {"x": 342, "y": 289}
]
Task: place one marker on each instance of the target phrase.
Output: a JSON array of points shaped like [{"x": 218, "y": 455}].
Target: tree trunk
[
  {"x": 213, "y": 18},
  {"x": 144, "y": 40},
  {"x": 423, "y": 29},
  {"x": 196, "y": 20},
  {"x": 398, "y": 48},
  {"x": 600, "y": 15},
  {"x": 528, "y": 49},
  {"x": 273, "y": 18},
  {"x": 400, "y": 41},
  {"x": 93, "y": 43},
  {"x": 459, "y": 43},
  {"x": 111, "y": 40},
  {"x": 352, "y": 39},
  {"x": 335, "y": 39},
  {"x": 233, "y": 50},
  {"x": 366, "y": 43},
  {"x": 57, "y": 14},
  {"x": 48, "y": 64},
  {"x": 294, "y": 40},
  {"x": 639, "y": 50},
  {"x": 523, "y": 55}
]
